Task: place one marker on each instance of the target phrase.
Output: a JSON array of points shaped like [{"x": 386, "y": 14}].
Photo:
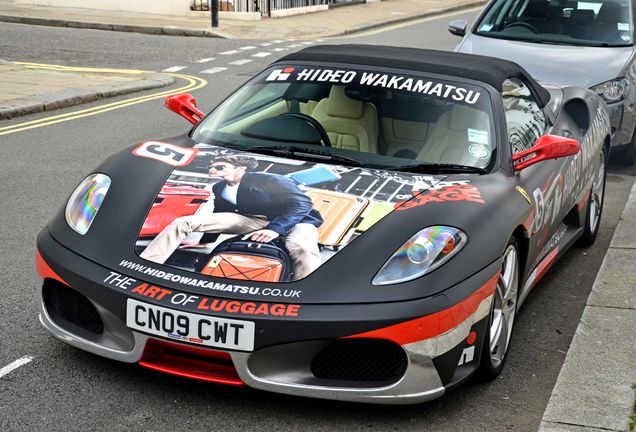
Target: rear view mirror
[
  {"x": 458, "y": 28},
  {"x": 546, "y": 147},
  {"x": 185, "y": 105}
]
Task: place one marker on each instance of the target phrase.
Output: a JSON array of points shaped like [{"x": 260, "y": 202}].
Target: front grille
[
  {"x": 65, "y": 305},
  {"x": 372, "y": 360}
]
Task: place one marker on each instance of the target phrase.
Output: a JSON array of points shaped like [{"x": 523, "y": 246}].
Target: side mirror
[
  {"x": 458, "y": 28},
  {"x": 546, "y": 147},
  {"x": 184, "y": 105}
]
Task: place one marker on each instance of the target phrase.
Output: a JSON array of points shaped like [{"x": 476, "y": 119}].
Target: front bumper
[
  {"x": 419, "y": 368},
  {"x": 623, "y": 122},
  {"x": 419, "y": 383}
]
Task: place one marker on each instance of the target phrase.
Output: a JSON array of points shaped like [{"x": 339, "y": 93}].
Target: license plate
[{"x": 188, "y": 327}]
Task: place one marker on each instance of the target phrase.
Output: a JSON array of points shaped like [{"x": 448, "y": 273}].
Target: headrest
[
  {"x": 464, "y": 118},
  {"x": 537, "y": 9},
  {"x": 582, "y": 14},
  {"x": 365, "y": 94},
  {"x": 610, "y": 12},
  {"x": 340, "y": 105}
]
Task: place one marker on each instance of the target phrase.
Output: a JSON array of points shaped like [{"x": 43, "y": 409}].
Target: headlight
[
  {"x": 85, "y": 201},
  {"x": 421, "y": 254},
  {"x": 612, "y": 91}
]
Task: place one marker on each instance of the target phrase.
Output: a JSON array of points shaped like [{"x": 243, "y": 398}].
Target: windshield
[
  {"x": 369, "y": 117},
  {"x": 586, "y": 23}
]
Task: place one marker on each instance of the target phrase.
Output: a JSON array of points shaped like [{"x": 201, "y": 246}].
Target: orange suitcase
[
  {"x": 248, "y": 260},
  {"x": 244, "y": 267},
  {"x": 341, "y": 214}
]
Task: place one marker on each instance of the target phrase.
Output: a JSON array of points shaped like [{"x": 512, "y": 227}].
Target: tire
[
  {"x": 595, "y": 205},
  {"x": 501, "y": 319}
]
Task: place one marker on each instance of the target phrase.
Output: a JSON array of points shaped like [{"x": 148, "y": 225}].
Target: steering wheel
[
  {"x": 312, "y": 121},
  {"x": 524, "y": 25}
]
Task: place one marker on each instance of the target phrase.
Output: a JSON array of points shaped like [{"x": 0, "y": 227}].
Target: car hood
[
  {"x": 555, "y": 64},
  {"x": 375, "y": 213}
]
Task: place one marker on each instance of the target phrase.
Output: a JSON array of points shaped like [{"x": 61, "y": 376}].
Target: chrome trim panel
[
  {"x": 110, "y": 344},
  {"x": 439, "y": 345},
  {"x": 420, "y": 383}
]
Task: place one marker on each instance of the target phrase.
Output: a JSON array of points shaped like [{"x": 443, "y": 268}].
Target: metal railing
[{"x": 265, "y": 7}]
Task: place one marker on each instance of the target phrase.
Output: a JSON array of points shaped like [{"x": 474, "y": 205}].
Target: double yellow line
[{"x": 194, "y": 83}]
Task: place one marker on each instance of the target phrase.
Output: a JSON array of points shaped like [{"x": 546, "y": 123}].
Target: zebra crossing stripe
[
  {"x": 174, "y": 69},
  {"x": 213, "y": 70}
]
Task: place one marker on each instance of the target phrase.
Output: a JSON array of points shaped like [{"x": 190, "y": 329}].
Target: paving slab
[
  {"x": 25, "y": 90},
  {"x": 615, "y": 285},
  {"x": 594, "y": 388}
]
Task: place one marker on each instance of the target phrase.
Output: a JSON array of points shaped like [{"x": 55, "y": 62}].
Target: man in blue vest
[{"x": 259, "y": 206}]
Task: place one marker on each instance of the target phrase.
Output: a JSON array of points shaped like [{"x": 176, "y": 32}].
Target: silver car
[{"x": 563, "y": 42}]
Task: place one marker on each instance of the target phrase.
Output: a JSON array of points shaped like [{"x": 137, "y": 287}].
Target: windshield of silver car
[{"x": 586, "y": 23}]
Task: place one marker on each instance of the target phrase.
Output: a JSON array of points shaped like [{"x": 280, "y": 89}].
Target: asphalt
[{"x": 596, "y": 388}]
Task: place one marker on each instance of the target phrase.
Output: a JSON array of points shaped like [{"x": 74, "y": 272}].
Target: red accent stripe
[
  {"x": 435, "y": 324},
  {"x": 155, "y": 357},
  {"x": 43, "y": 268},
  {"x": 548, "y": 183},
  {"x": 528, "y": 223},
  {"x": 580, "y": 205},
  {"x": 545, "y": 265}
]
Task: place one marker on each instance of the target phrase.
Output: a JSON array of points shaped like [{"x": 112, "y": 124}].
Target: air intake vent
[
  {"x": 65, "y": 305},
  {"x": 579, "y": 113},
  {"x": 371, "y": 360}
]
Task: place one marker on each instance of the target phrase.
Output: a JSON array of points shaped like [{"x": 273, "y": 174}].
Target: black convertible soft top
[{"x": 490, "y": 70}]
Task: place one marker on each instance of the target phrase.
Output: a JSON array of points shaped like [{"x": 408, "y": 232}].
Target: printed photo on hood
[{"x": 250, "y": 217}]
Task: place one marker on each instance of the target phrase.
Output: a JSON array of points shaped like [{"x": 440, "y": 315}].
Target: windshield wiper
[
  {"x": 300, "y": 152},
  {"x": 549, "y": 42},
  {"x": 437, "y": 168}
]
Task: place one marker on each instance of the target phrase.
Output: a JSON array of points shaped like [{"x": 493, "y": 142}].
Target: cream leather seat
[
  {"x": 460, "y": 136},
  {"x": 351, "y": 124}
]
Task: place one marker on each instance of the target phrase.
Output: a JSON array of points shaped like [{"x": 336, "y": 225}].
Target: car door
[{"x": 542, "y": 183}]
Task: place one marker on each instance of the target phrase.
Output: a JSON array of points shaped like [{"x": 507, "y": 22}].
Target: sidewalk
[
  {"x": 333, "y": 22},
  {"x": 594, "y": 391},
  {"x": 26, "y": 90}
]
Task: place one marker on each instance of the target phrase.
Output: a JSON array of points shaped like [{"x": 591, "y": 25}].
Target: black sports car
[{"x": 355, "y": 222}]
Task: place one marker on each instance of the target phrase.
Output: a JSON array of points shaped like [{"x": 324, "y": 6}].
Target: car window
[
  {"x": 588, "y": 23},
  {"x": 524, "y": 118},
  {"x": 381, "y": 118},
  {"x": 265, "y": 95}
]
